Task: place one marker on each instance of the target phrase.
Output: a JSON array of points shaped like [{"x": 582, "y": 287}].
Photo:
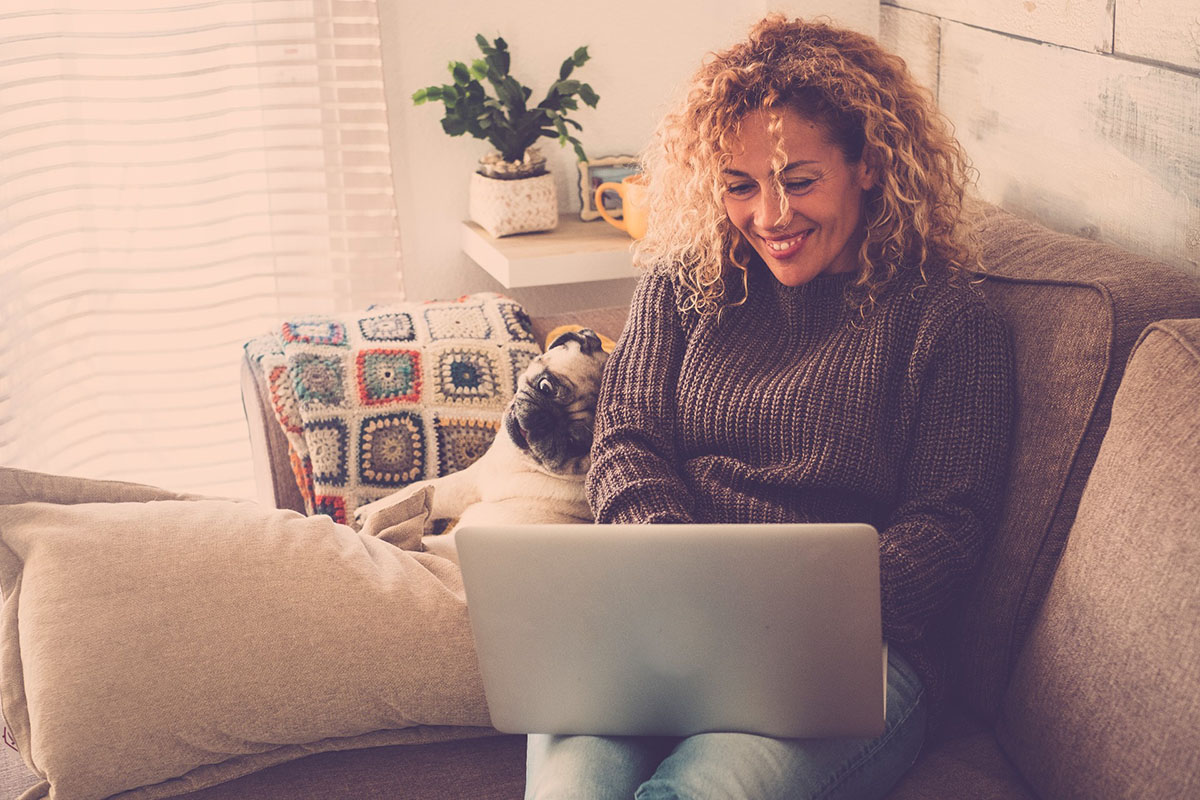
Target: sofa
[
  {"x": 1074, "y": 676},
  {"x": 1075, "y": 649}
]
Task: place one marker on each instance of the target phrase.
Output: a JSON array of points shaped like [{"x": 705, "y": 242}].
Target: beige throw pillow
[{"x": 144, "y": 641}]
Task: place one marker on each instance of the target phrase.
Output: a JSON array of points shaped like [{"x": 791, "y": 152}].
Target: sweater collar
[{"x": 822, "y": 291}]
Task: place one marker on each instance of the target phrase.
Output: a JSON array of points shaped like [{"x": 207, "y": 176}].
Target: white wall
[{"x": 642, "y": 51}]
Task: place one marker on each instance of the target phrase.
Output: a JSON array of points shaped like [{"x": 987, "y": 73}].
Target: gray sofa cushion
[
  {"x": 1075, "y": 308},
  {"x": 1103, "y": 701},
  {"x": 963, "y": 761}
]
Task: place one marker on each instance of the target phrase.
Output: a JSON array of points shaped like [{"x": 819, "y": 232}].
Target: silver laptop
[{"x": 678, "y": 629}]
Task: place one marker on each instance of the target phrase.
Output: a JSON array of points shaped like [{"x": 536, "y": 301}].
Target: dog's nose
[
  {"x": 580, "y": 436},
  {"x": 536, "y": 420}
]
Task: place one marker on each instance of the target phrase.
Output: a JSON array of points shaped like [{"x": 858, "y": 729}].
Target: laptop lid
[{"x": 677, "y": 629}]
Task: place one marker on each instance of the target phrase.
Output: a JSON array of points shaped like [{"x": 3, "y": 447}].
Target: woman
[{"x": 805, "y": 346}]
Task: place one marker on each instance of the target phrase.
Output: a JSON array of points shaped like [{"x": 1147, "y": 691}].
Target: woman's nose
[{"x": 768, "y": 214}]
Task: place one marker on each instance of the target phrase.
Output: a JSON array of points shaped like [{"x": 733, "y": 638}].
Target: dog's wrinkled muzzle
[{"x": 545, "y": 430}]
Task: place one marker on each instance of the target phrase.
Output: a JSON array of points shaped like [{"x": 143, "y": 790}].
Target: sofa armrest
[
  {"x": 1103, "y": 701},
  {"x": 268, "y": 446}
]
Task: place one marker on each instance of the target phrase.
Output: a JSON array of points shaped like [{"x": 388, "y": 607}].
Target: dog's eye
[{"x": 545, "y": 386}]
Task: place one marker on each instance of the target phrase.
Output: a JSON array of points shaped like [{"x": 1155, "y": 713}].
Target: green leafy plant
[{"x": 504, "y": 118}]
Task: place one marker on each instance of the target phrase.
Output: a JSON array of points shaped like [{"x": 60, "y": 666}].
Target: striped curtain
[{"x": 175, "y": 177}]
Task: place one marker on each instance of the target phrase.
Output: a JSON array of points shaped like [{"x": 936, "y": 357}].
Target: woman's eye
[
  {"x": 740, "y": 189},
  {"x": 798, "y": 187}
]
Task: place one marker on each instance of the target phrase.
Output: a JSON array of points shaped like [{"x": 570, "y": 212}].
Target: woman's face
[{"x": 821, "y": 227}]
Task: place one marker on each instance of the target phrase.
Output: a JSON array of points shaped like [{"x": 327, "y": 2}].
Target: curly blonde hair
[{"x": 870, "y": 107}]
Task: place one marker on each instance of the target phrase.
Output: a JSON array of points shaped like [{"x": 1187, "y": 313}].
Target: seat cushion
[
  {"x": 963, "y": 762},
  {"x": 1104, "y": 699},
  {"x": 486, "y": 768},
  {"x": 1074, "y": 309}
]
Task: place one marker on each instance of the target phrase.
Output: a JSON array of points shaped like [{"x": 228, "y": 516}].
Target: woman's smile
[{"x": 786, "y": 246}]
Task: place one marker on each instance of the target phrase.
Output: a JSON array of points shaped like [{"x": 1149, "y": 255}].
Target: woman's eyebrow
[
  {"x": 800, "y": 163},
  {"x": 792, "y": 165}
]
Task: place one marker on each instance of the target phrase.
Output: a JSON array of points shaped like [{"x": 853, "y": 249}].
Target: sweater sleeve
[
  {"x": 634, "y": 475},
  {"x": 955, "y": 469}
]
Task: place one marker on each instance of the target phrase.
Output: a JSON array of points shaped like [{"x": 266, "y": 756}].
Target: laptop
[{"x": 674, "y": 630}]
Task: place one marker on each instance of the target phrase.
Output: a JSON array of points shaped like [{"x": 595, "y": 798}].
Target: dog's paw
[
  {"x": 375, "y": 506},
  {"x": 362, "y": 512}
]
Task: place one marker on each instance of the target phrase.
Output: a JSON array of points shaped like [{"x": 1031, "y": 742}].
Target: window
[{"x": 175, "y": 177}]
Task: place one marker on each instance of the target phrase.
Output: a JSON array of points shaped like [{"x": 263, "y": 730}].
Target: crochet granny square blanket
[{"x": 373, "y": 400}]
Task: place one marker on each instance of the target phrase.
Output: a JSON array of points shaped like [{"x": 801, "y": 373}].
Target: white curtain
[{"x": 175, "y": 177}]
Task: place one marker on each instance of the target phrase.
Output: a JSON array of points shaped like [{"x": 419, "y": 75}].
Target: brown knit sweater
[{"x": 791, "y": 408}]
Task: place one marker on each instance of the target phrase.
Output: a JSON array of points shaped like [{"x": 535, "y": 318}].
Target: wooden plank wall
[{"x": 1084, "y": 116}]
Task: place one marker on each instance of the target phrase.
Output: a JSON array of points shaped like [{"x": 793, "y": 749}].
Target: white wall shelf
[{"x": 574, "y": 252}]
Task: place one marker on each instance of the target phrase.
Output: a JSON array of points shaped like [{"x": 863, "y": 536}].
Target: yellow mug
[{"x": 634, "y": 205}]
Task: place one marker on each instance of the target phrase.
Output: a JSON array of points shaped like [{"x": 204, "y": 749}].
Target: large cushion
[
  {"x": 24, "y": 486},
  {"x": 370, "y": 401},
  {"x": 20, "y": 486},
  {"x": 1104, "y": 699},
  {"x": 159, "y": 646},
  {"x": 1074, "y": 308}
]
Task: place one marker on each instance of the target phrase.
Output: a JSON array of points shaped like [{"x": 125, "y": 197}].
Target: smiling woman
[
  {"x": 803, "y": 348},
  {"x": 177, "y": 177}
]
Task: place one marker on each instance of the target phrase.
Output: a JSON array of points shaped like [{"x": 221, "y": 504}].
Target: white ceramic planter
[{"x": 503, "y": 208}]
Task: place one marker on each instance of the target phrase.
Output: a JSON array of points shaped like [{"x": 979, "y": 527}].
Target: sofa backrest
[
  {"x": 1074, "y": 309},
  {"x": 1103, "y": 702}
]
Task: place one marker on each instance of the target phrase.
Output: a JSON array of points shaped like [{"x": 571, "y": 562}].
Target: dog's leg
[
  {"x": 451, "y": 494},
  {"x": 454, "y": 492},
  {"x": 367, "y": 509}
]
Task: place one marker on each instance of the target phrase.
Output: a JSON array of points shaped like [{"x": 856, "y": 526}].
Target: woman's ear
[{"x": 865, "y": 175}]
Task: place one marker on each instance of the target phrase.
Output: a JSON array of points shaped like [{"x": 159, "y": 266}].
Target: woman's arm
[
  {"x": 954, "y": 473},
  {"x": 634, "y": 474}
]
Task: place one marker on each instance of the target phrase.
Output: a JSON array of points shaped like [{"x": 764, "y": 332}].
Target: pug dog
[{"x": 534, "y": 469}]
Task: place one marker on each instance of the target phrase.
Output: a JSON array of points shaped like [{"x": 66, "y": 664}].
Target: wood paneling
[
  {"x": 1085, "y": 25},
  {"x": 915, "y": 37},
  {"x": 1081, "y": 142},
  {"x": 1164, "y": 30}
]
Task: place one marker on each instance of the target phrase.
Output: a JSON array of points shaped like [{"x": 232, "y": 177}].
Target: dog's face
[{"x": 550, "y": 417}]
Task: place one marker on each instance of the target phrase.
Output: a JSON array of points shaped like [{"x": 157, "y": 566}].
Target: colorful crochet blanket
[{"x": 373, "y": 400}]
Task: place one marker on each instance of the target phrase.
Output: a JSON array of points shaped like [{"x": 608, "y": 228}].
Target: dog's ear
[{"x": 589, "y": 341}]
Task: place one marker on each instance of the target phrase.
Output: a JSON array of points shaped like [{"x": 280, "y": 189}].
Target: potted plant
[{"x": 512, "y": 192}]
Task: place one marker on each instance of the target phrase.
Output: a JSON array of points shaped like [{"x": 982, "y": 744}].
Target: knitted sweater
[{"x": 791, "y": 408}]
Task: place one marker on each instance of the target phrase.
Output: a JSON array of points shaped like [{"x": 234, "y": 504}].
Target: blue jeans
[{"x": 730, "y": 766}]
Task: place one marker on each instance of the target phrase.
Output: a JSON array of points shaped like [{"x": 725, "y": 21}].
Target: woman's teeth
[{"x": 781, "y": 246}]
